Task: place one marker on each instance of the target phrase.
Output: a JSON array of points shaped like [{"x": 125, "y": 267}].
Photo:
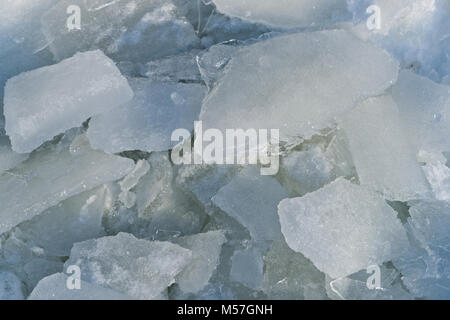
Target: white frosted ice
[
  {"x": 54, "y": 287},
  {"x": 297, "y": 83},
  {"x": 206, "y": 249},
  {"x": 383, "y": 156},
  {"x": 147, "y": 122},
  {"x": 141, "y": 269},
  {"x": 285, "y": 13},
  {"x": 314, "y": 224},
  {"x": 50, "y": 176},
  {"x": 437, "y": 174},
  {"x": 425, "y": 106},
  {"x": 42, "y": 103},
  {"x": 252, "y": 200}
]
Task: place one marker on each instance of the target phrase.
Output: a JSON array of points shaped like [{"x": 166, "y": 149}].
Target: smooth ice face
[
  {"x": 252, "y": 200},
  {"x": 11, "y": 288},
  {"x": 425, "y": 106},
  {"x": 146, "y": 123},
  {"x": 73, "y": 220},
  {"x": 8, "y": 158},
  {"x": 289, "y": 275},
  {"x": 139, "y": 268},
  {"x": 314, "y": 225},
  {"x": 51, "y": 176},
  {"x": 54, "y": 287},
  {"x": 284, "y": 13},
  {"x": 247, "y": 268},
  {"x": 206, "y": 248},
  {"x": 297, "y": 83},
  {"x": 129, "y": 30},
  {"x": 42, "y": 103},
  {"x": 383, "y": 156}
]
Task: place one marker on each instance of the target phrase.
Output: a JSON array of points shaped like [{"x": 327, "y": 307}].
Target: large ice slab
[
  {"x": 52, "y": 175},
  {"x": 146, "y": 123},
  {"x": 286, "y": 13},
  {"x": 206, "y": 249},
  {"x": 342, "y": 228},
  {"x": 54, "y": 287},
  {"x": 383, "y": 156},
  {"x": 73, "y": 220},
  {"x": 125, "y": 29},
  {"x": 252, "y": 200},
  {"x": 425, "y": 106},
  {"x": 141, "y": 269},
  {"x": 45, "y": 102},
  {"x": 297, "y": 83}
]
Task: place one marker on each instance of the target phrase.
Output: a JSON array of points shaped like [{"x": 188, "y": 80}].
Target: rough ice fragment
[{"x": 315, "y": 224}]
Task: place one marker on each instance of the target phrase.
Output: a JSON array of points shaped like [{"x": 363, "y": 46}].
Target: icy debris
[
  {"x": 45, "y": 102},
  {"x": 146, "y": 123},
  {"x": 73, "y": 220},
  {"x": 128, "y": 197},
  {"x": 203, "y": 181},
  {"x": 287, "y": 13},
  {"x": 426, "y": 265},
  {"x": 355, "y": 287},
  {"x": 54, "y": 287},
  {"x": 384, "y": 159},
  {"x": 314, "y": 224},
  {"x": 425, "y": 106},
  {"x": 178, "y": 68},
  {"x": 252, "y": 200},
  {"x": 11, "y": 288},
  {"x": 126, "y": 29},
  {"x": 289, "y": 275},
  {"x": 306, "y": 170},
  {"x": 51, "y": 176},
  {"x": 206, "y": 248},
  {"x": 297, "y": 83},
  {"x": 247, "y": 267},
  {"x": 141, "y": 269},
  {"x": 8, "y": 158},
  {"x": 437, "y": 173},
  {"x": 414, "y": 31}
]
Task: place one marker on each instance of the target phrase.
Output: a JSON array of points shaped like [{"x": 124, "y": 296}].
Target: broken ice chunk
[
  {"x": 127, "y": 197},
  {"x": 425, "y": 106},
  {"x": 126, "y": 29},
  {"x": 289, "y": 275},
  {"x": 54, "y": 287},
  {"x": 8, "y": 158},
  {"x": 50, "y": 176},
  {"x": 139, "y": 268},
  {"x": 252, "y": 200},
  {"x": 73, "y": 220},
  {"x": 247, "y": 267},
  {"x": 206, "y": 248},
  {"x": 42, "y": 103},
  {"x": 314, "y": 225},
  {"x": 437, "y": 173},
  {"x": 11, "y": 288},
  {"x": 384, "y": 159},
  {"x": 297, "y": 83},
  {"x": 426, "y": 265},
  {"x": 146, "y": 123},
  {"x": 178, "y": 68},
  {"x": 286, "y": 13}
]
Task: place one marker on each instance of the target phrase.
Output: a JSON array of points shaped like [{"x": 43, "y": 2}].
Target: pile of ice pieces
[{"x": 93, "y": 205}]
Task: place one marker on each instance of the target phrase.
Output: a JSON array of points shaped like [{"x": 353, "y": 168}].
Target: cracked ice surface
[{"x": 88, "y": 179}]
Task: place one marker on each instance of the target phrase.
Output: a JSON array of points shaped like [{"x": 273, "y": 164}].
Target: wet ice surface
[{"x": 87, "y": 177}]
